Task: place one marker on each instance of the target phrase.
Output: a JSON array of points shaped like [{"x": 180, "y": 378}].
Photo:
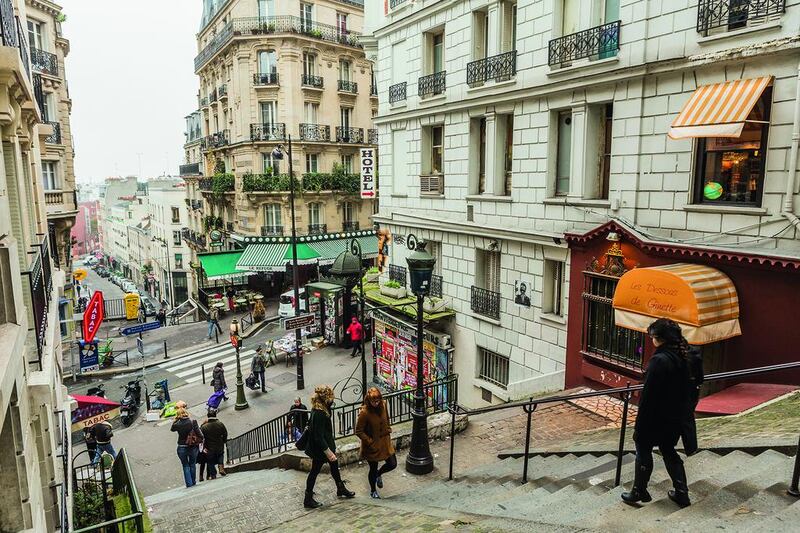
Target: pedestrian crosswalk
[{"x": 190, "y": 368}]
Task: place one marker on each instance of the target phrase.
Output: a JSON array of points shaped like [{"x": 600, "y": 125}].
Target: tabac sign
[
  {"x": 93, "y": 317},
  {"x": 367, "y": 173}
]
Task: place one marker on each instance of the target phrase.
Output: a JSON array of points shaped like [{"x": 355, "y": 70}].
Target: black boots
[
  {"x": 638, "y": 492},
  {"x": 342, "y": 492},
  {"x": 680, "y": 495},
  {"x": 309, "y": 502}
]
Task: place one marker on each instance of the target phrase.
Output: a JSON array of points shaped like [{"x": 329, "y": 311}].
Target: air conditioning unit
[{"x": 431, "y": 185}]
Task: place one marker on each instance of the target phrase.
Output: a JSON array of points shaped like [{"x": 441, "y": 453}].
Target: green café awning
[
  {"x": 328, "y": 250},
  {"x": 221, "y": 265},
  {"x": 274, "y": 257}
]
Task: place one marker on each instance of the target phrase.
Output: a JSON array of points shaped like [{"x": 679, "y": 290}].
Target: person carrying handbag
[
  {"x": 375, "y": 433},
  {"x": 190, "y": 437}
]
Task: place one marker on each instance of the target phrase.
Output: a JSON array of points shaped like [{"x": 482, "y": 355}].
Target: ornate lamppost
[{"x": 236, "y": 341}]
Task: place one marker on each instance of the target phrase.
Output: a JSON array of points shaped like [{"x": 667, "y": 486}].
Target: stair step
[
  {"x": 786, "y": 520},
  {"x": 752, "y": 512}
]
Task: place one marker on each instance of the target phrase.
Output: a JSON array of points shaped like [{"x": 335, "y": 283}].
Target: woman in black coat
[{"x": 664, "y": 409}]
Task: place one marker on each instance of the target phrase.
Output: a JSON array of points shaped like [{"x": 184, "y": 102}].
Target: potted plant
[
  {"x": 432, "y": 305},
  {"x": 393, "y": 289},
  {"x": 372, "y": 275}
]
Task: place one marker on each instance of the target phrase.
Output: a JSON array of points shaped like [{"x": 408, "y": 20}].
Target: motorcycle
[
  {"x": 129, "y": 405},
  {"x": 99, "y": 391}
]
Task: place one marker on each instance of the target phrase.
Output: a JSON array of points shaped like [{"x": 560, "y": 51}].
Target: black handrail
[{"x": 530, "y": 405}]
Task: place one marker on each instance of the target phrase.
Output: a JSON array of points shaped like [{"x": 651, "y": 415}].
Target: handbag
[
  {"x": 194, "y": 438},
  {"x": 302, "y": 443}
]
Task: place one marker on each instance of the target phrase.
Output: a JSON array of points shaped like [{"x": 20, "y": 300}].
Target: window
[
  {"x": 272, "y": 216},
  {"x": 306, "y": 16},
  {"x": 348, "y": 212},
  {"x": 482, "y": 157},
  {"x": 176, "y": 238},
  {"x": 344, "y": 70},
  {"x": 266, "y": 8},
  {"x": 315, "y": 214},
  {"x": 176, "y": 215},
  {"x": 480, "y": 35},
  {"x": 399, "y": 155},
  {"x": 50, "y": 176},
  {"x": 309, "y": 64},
  {"x": 553, "y": 290},
  {"x": 312, "y": 163},
  {"x": 399, "y": 58},
  {"x": 269, "y": 163},
  {"x": 508, "y": 153},
  {"x": 605, "y": 150},
  {"x": 601, "y": 337},
  {"x": 493, "y": 367},
  {"x": 509, "y": 14},
  {"x": 341, "y": 23},
  {"x": 269, "y": 112},
  {"x": 434, "y": 137},
  {"x": 730, "y": 171},
  {"x": 487, "y": 270},
  {"x": 345, "y": 113},
  {"x": 563, "y": 153},
  {"x": 178, "y": 260},
  {"x": 347, "y": 163},
  {"x": 267, "y": 62},
  {"x": 311, "y": 112},
  {"x": 437, "y": 52},
  {"x": 36, "y": 34},
  {"x": 49, "y": 109}
]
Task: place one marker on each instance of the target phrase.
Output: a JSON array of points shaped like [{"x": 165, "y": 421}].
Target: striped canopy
[
  {"x": 274, "y": 257},
  {"x": 329, "y": 250}
]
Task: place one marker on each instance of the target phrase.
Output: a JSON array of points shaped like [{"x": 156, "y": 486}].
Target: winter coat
[
  {"x": 321, "y": 436},
  {"x": 216, "y": 435},
  {"x": 373, "y": 428},
  {"x": 664, "y": 405},
  {"x": 696, "y": 379},
  {"x": 184, "y": 426},
  {"x": 298, "y": 419},
  {"x": 259, "y": 363},
  {"x": 356, "y": 331},
  {"x": 102, "y": 432},
  {"x": 218, "y": 379},
  {"x": 213, "y": 314}
]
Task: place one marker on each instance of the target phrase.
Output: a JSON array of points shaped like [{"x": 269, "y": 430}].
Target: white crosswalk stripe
[{"x": 189, "y": 368}]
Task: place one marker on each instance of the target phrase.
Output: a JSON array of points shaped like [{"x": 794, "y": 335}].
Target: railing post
[
  {"x": 626, "y": 398},
  {"x": 452, "y": 438},
  {"x": 794, "y": 490},
  {"x": 166, "y": 354},
  {"x": 530, "y": 408},
  {"x": 203, "y": 371}
]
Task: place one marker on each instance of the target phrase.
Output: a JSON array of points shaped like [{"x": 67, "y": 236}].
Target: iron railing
[
  {"x": 51, "y": 236},
  {"x": 8, "y": 24},
  {"x": 348, "y": 86},
  {"x": 222, "y": 91},
  {"x": 349, "y": 135},
  {"x": 275, "y": 131},
  {"x": 394, "y": 3},
  {"x": 350, "y": 225},
  {"x": 38, "y": 92},
  {"x": 595, "y": 43},
  {"x": 432, "y": 84},
  {"x": 315, "y": 132},
  {"x": 498, "y": 68},
  {"x": 625, "y": 393},
  {"x": 277, "y": 435},
  {"x": 317, "y": 229},
  {"x": 493, "y": 367},
  {"x": 271, "y": 231},
  {"x": 55, "y": 138},
  {"x": 733, "y": 14},
  {"x": 372, "y": 136},
  {"x": 436, "y": 286},
  {"x": 212, "y": 96},
  {"x": 398, "y": 273},
  {"x": 189, "y": 169},
  {"x": 206, "y": 184},
  {"x": 204, "y": 101},
  {"x": 40, "y": 285},
  {"x": 44, "y": 61},
  {"x": 485, "y": 302},
  {"x": 23, "y": 47},
  {"x": 269, "y": 78},
  {"x": 216, "y": 140},
  {"x": 397, "y": 92},
  {"x": 373, "y": 90},
  {"x": 309, "y": 80},
  {"x": 229, "y": 227}
]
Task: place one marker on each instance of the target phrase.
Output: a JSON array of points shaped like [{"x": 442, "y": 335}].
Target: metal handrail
[{"x": 530, "y": 405}]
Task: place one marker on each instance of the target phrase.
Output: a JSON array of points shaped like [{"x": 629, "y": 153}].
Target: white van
[
  {"x": 129, "y": 287},
  {"x": 286, "y": 306}
]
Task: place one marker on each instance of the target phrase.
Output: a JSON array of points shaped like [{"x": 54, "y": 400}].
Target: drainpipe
[{"x": 788, "y": 201}]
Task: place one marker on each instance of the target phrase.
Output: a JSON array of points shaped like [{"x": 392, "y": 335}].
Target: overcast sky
[{"x": 131, "y": 79}]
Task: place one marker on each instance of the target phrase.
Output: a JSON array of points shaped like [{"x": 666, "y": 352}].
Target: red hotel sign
[{"x": 93, "y": 317}]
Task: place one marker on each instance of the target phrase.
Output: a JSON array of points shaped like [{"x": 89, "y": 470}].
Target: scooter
[
  {"x": 100, "y": 391},
  {"x": 129, "y": 405}
]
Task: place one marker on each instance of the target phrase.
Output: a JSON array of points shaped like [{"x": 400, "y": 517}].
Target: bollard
[
  {"x": 216, "y": 334},
  {"x": 166, "y": 355},
  {"x": 203, "y": 370}
]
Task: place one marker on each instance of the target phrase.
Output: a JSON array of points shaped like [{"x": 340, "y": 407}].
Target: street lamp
[
  {"x": 348, "y": 265},
  {"x": 236, "y": 341},
  {"x": 277, "y": 153},
  {"x": 420, "y": 267}
]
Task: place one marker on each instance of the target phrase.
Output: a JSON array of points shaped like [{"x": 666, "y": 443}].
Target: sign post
[
  {"x": 140, "y": 328},
  {"x": 367, "y": 173},
  {"x": 298, "y": 322},
  {"x": 89, "y": 356},
  {"x": 93, "y": 316}
]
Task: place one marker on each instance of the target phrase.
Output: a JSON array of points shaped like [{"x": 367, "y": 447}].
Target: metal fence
[
  {"x": 40, "y": 286},
  {"x": 600, "y": 41},
  {"x": 498, "y": 68},
  {"x": 485, "y": 302},
  {"x": 397, "y": 273},
  {"x": 734, "y": 14},
  {"x": 397, "y": 92}
]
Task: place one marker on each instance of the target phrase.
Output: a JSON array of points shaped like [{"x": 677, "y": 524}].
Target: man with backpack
[
  {"x": 213, "y": 321},
  {"x": 102, "y": 433}
]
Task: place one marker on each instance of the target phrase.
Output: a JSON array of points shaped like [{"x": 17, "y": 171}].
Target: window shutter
[{"x": 431, "y": 184}]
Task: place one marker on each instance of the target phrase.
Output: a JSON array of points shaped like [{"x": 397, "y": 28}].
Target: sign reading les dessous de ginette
[{"x": 655, "y": 293}]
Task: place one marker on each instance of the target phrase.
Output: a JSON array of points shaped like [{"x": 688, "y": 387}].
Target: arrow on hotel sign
[{"x": 93, "y": 316}]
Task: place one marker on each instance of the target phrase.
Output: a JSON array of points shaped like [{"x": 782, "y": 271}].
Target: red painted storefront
[{"x": 769, "y": 303}]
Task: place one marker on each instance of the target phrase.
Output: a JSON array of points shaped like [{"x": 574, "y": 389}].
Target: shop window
[
  {"x": 493, "y": 367},
  {"x": 553, "y": 290},
  {"x": 729, "y": 170}
]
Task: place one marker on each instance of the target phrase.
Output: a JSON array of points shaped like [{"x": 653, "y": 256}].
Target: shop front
[{"x": 738, "y": 308}]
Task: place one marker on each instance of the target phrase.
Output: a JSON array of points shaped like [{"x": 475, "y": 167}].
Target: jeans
[
  {"x": 316, "y": 466},
  {"x": 375, "y": 472},
  {"x": 356, "y": 348},
  {"x": 260, "y": 376},
  {"x": 211, "y": 325},
  {"x": 108, "y": 448},
  {"x": 188, "y": 457}
]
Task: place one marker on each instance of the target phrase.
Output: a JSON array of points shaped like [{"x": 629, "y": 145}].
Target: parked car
[
  {"x": 287, "y": 305},
  {"x": 129, "y": 287},
  {"x": 102, "y": 272}
]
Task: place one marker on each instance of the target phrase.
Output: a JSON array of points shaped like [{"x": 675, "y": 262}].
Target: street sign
[
  {"x": 235, "y": 341},
  {"x": 140, "y": 328},
  {"x": 93, "y": 316},
  {"x": 140, "y": 346},
  {"x": 297, "y": 322},
  {"x": 367, "y": 173}
]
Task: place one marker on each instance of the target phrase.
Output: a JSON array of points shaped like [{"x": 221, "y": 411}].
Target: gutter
[{"x": 788, "y": 202}]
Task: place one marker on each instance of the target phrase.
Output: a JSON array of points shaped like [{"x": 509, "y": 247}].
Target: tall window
[
  {"x": 306, "y": 16},
  {"x": 348, "y": 212},
  {"x": 176, "y": 238},
  {"x": 311, "y": 112},
  {"x": 553, "y": 290},
  {"x": 480, "y": 34},
  {"x": 438, "y": 52},
  {"x": 602, "y": 338},
  {"x": 309, "y": 64},
  {"x": 178, "y": 260},
  {"x": 48, "y": 108},
  {"x": 508, "y": 152},
  {"x": 563, "y": 153},
  {"x": 267, "y": 62},
  {"x": 341, "y": 23},
  {"x": 487, "y": 270},
  {"x": 266, "y": 8},
  {"x": 605, "y": 150},
  {"x": 176, "y": 215},
  {"x": 482, "y": 158},
  {"x": 36, "y": 34},
  {"x": 269, "y": 162},
  {"x": 269, "y": 112},
  {"x": 344, "y": 70},
  {"x": 493, "y": 367},
  {"x": 50, "y": 176},
  {"x": 435, "y": 136},
  {"x": 272, "y": 216},
  {"x": 316, "y": 214},
  {"x": 345, "y": 114},
  {"x": 347, "y": 163},
  {"x": 730, "y": 170},
  {"x": 312, "y": 163}
]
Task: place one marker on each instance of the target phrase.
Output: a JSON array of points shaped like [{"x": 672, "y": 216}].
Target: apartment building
[
  {"x": 86, "y": 233},
  {"x": 115, "y": 195},
  {"x": 169, "y": 253},
  {"x": 34, "y": 423},
  {"x": 271, "y": 71},
  {"x": 553, "y": 150}
]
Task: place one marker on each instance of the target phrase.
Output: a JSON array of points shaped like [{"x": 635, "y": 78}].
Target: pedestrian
[
  {"x": 102, "y": 433},
  {"x": 142, "y": 314},
  {"x": 230, "y": 294},
  {"x": 298, "y": 414},
  {"x": 215, "y": 436},
  {"x": 218, "y": 379},
  {"x": 373, "y": 428},
  {"x": 356, "y": 332},
  {"x": 213, "y": 321},
  {"x": 190, "y": 438},
  {"x": 664, "y": 409},
  {"x": 91, "y": 444},
  {"x": 258, "y": 367},
  {"x": 162, "y": 316},
  {"x": 321, "y": 446}
]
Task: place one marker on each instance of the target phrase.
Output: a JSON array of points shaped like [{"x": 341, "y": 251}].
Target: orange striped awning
[
  {"x": 701, "y": 299},
  {"x": 719, "y": 110}
]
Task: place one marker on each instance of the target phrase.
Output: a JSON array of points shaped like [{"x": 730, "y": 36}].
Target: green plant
[
  {"x": 372, "y": 270},
  {"x": 61, "y": 17},
  {"x": 219, "y": 167},
  {"x": 122, "y": 507},
  {"x": 392, "y": 284},
  {"x": 222, "y": 183},
  {"x": 267, "y": 182},
  {"x": 208, "y": 222},
  {"x": 87, "y": 505}
]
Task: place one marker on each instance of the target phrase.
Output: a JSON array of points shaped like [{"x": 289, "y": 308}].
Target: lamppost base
[
  {"x": 419, "y": 465},
  {"x": 241, "y": 406},
  {"x": 795, "y": 493}
]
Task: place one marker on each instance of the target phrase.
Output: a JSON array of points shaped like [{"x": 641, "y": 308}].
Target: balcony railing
[
  {"x": 53, "y": 197},
  {"x": 222, "y": 91},
  {"x": 212, "y": 96},
  {"x": 317, "y": 229},
  {"x": 40, "y": 284},
  {"x": 268, "y": 132},
  {"x": 346, "y": 86},
  {"x": 195, "y": 238},
  {"x": 315, "y": 132},
  {"x": 55, "y": 138},
  {"x": 373, "y": 90},
  {"x": 350, "y": 225},
  {"x": 485, "y": 302},
  {"x": 38, "y": 92},
  {"x": 395, "y": 3},
  {"x": 595, "y": 43},
  {"x": 309, "y": 80},
  {"x": 432, "y": 84},
  {"x": 189, "y": 169},
  {"x": 397, "y": 92},
  {"x": 498, "y": 68},
  {"x": 436, "y": 286},
  {"x": 204, "y": 101},
  {"x": 44, "y": 61},
  {"x": 271, "y": 231},
  {"x": 229, "y": 227},
  {"x": 398, "y": 273},
  {"x": 349, "y": 135},
  {"x": 269, "y": 78},
  {"x": 372, "y": 136},
  {"x": 217, "y": 140},
  {"x": 733, "y": 14}
]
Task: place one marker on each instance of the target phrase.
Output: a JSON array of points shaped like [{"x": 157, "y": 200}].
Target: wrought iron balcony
[
  {"x": 189, "y": 169},
  {"x": 398, "y": 273},
  {"x": 348, "y": 86},
  {"x": 395, "y": 3},
  {"x": 45, "y": 62},
  {"x": 269, "y": 78},
  {"x": 229, "y": 227},
  {"x": 275, "y": 131},
  {"x": 485, "y": 302},
  {"x": 373, "y": 90},
  {"x": 222, "y": 91},
  {"x": 432, "y": 84},
  {"x": 315, "y": 132},
  {"x": 212, "y": 96},
  {"x": 498, "y": 68},
  {"x": 40, "y": 285},
  {"x": 216, "y": 140},
  {"x": 397, "y": 92},
  {"x": 733, "y": 14},
  {"x": 350, "y": 225},
  {"x": 271, "y": 231},
  {"x": 317, "y": 229},
  {"x": 309, "y": 80},
  {"x": 436, "y": 286},
  {"x": 204, "y": 101},
  {"x": 372, "y": 136},
  {"x": 38, "y": 92},
  {"x": 349, "y": 135},
  {"x": 206, "y": 184},
  {"x": 55, "y": 138},
  {"x": 595, "y": 43}
]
